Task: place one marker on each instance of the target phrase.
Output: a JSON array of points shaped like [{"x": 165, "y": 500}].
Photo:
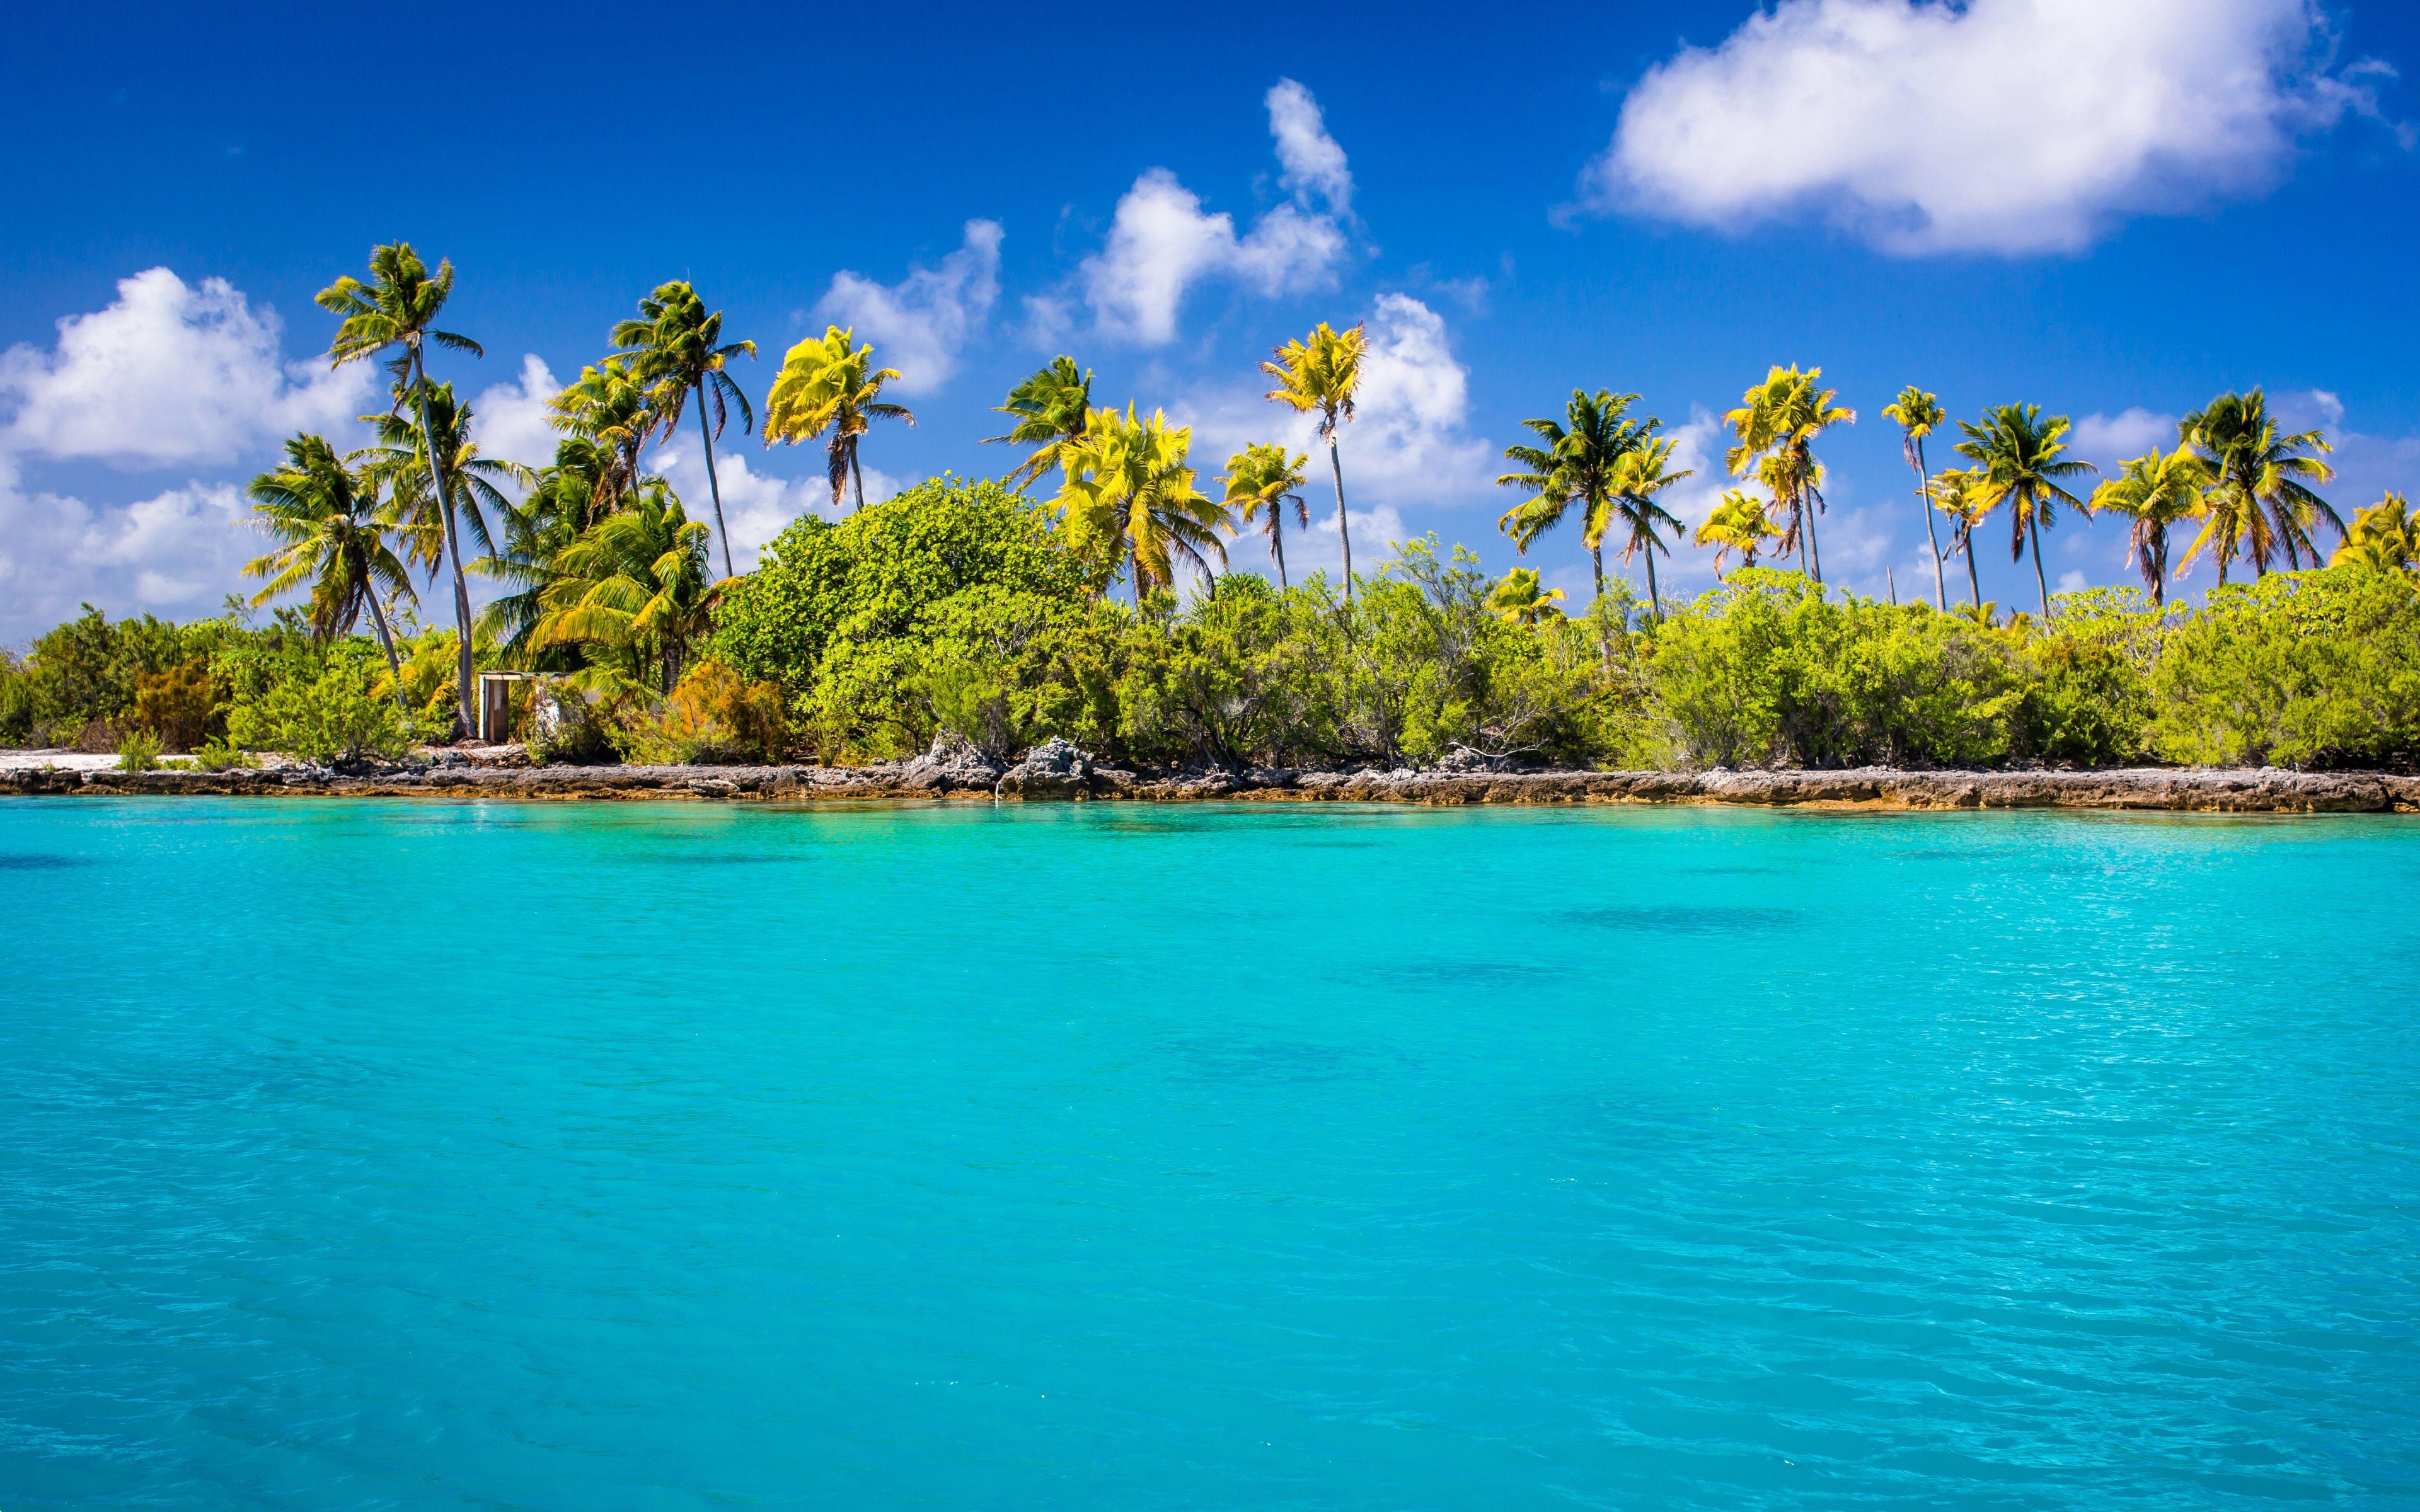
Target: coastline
[{"x": 2199, "y": 790}]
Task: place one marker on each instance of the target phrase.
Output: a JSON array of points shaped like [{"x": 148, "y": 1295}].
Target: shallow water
[{"x": 420, "y": 1155}]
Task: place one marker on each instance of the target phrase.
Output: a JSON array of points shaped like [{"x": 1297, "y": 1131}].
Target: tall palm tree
[
  {"x": 632, "y": 586},
  {"x": 828, "y": 384},
  {"x": 1264, "y": 482},
  {"x": 2257, "y": 473},
  {"x": 1778, "y": 422},
  {"x": 1051, "y": 405},
  {"x": 328, "y": 515},
  {"x": 570, "y": 496},
  {"x": 425, "y": 518},
  {"x": 1919, "y": 415},
  {"x": 608, "y": 406},
  {"x": 1321, "y": 375},
  {"x": 1959, "y": 493},
  {"x": 2021, "y": 457},
  {"x": 2384, "y": 537},
  {"x": 1740, "y": 522},
  {"x": 1638, "y": 475},
  {"x": 2155, "y": 490},
  {"x": 395, "y": 312},
  {"x": 1521, "y": 600},
  {"x": 1128, "y": 493},
  {"x": 677, "y": 348},
  {"x": 1577, "y": 469}
]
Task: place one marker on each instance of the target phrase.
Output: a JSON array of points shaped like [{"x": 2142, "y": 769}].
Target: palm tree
[
  {"x": 424, "y": 519},
  {"x": 1777, "y": 423},
  {"x": 1578, "y": 469},
  {"x": 608, "y": 407},
  {"x": 829, "y": 385},
  {"x": 1263, "y": 482},
  {"x": 1959, "y": 493},
  {"x": 329, "y": 516},
  {"x": 396, "y": 311},
  {"x": 2020, "y": 455},
  {"x": 1638, "y": 475},
  {"x": 2258, "y": 474},
  {"x": 633, "y": 586},
  {"x": 1320, "y": 374},
  {"x": 570, "y": 496},
  {"x": 1740, "y": 522},
  {"x": 1919, "y": 415},
  {"x": 1052, "y": 406},
  {"x": 677, "y": 348},
  {"x": 2384, "y": 537},
  {"x": 1520, "y": 599},
  {"x": 2155, "y": 490},
  {"x": 1128, "y": 493}
]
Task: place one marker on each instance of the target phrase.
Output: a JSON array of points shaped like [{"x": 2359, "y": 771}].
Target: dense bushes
[{"x": 953, "y": 607}]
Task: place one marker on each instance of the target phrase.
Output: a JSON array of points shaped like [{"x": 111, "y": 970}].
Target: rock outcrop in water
[{"x": 1059, "y": 771}]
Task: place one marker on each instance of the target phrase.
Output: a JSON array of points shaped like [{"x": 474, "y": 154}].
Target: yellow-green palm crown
[
  {"x": 1129, "y": 493},
  {"x": 1320, "y": 374}
]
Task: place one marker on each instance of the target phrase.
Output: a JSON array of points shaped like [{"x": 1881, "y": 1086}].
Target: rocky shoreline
[{"x": 1059, "y": 772}]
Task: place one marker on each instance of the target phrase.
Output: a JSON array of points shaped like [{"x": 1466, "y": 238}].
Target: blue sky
[{"x": 2115, "y": 211}]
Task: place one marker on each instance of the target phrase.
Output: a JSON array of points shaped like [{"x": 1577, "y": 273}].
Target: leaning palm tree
[
  {"x": 1051, "y": 405},
  {"x": 1959, "y": 493},
  {"x": 2385, "y": 537},
  {"x": 474, "y": 482},
  {"x": 2155, "y": 490},
  {"x": 1638, "y": 475},
  {"x": 1740, "y": 522},
  {"x": 1918, "y": 415},
  {"x": 1778, "y": 422},
  {"x": 828, "y": 384},
  {"x": 1321, "y": 375},
  {"x": 2256, "y": 471},
  {"x": 677, "y": 348},
  {"x": 1264, "y": 482},
  {"x": 331, "y": 519},
  {"x": 1128, "y": 493},
  {"x": 1575, "y": 470},
  {"x": 1519, "y": 598},
  {"x": 2020, "y": 458},
  {"x": 632, "y": 590},
  {"x": 396, "y": 312}
]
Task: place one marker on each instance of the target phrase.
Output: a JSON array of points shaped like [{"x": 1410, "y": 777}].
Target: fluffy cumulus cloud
[
  {"x": 169, "y": 374},
  {"x": 756, "y": 506},
  {"x": 2108, "y": 441},
  {"x": 1997, "y": 126},
  {"x": 921, "y": 324},
  {"x": 1162, "y": 243},
  {"x": 510, "y": 419},
  {"x": 177, "y": 553}
]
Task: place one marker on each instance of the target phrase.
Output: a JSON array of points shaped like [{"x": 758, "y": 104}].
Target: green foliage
[
  {"x": 139, "y": 752},
  {"x": 340, "y": 715},
  {"x": 220, "y": 754},
  {"x": 2305, "y": 669},
  {"x": 87, "y": 675}
]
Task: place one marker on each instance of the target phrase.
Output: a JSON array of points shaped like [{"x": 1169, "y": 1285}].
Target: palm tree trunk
[
  {"x": 1342, "y": 533},
  {"x": 463, "y": 720},
  {"x": 2033, "y": 534},
  {"x": 1940, "y": 590},
  {"x": 1974, "y": 583},
  {"x": 1134, "y": 565},
  {"x": 1654, "y": 602},
  {"x": 857, "y": 474},
  {"x": 1596, "y": 561},
  {"x": 386, "y": 639},
  {"x": 1814, "y": 547},
  {"x": 1276, "y": 545},
  {"x": 713, "y": 485}
]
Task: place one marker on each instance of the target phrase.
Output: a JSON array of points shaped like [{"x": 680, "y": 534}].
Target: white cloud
[
  {"x": 1161, "y": 242},
  {"x": 1407, "y": 444},
  {"x": 921, "y": 323},
  {"x": 176, "y": 554},
  {"x": 169, "y": 374},
  {"x": 2001, "y": 126},
  {"x": 2111, "y": 440},
  {"x": 1314, "y": 165},
  {"x": 510, "y": 419}
]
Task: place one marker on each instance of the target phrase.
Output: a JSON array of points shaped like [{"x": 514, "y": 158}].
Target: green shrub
[
  {"x": 139, "y": 752},
  {"x": 219, "y": 754},
  {"x": 336, "y": 717}
]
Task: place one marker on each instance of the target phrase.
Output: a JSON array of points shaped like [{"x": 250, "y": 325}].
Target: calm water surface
[{"x": 361, "y": 1155}]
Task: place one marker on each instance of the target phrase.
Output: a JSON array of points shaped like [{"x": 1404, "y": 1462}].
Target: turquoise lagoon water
[{"x": 366, "y": 1155}]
